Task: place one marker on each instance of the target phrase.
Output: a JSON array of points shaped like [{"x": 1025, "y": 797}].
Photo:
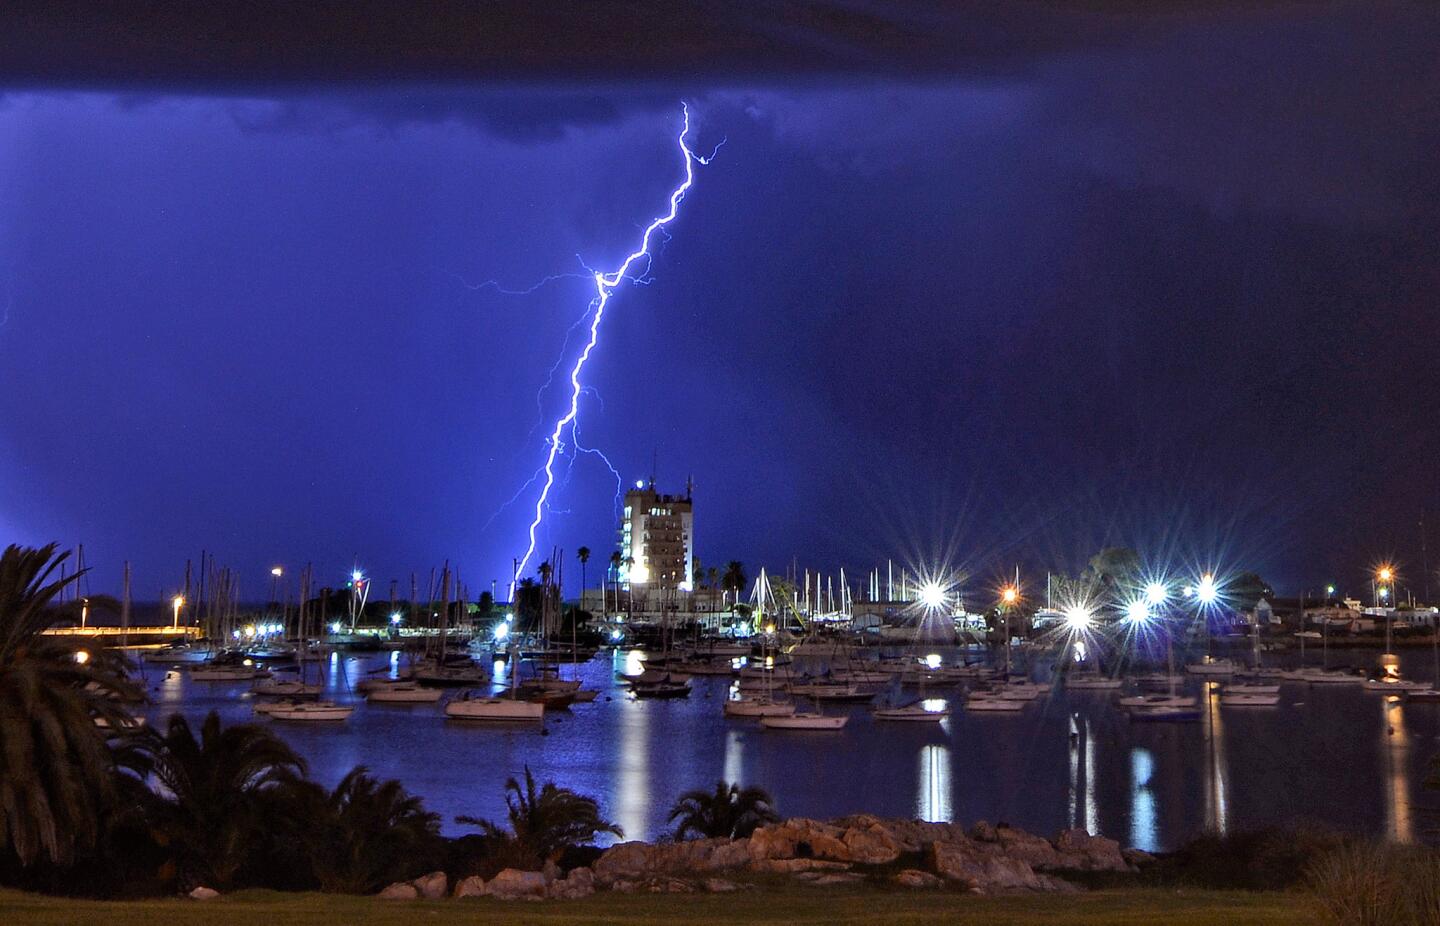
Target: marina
[{"x": 1152, "y": 770}]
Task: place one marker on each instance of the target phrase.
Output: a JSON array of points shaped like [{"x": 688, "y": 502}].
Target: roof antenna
[
  {"x": 689, "y": 486},
  {"x": 654, "y": 465}
]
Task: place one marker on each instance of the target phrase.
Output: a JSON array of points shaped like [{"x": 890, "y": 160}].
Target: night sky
[{"x": 989, "y": 291}]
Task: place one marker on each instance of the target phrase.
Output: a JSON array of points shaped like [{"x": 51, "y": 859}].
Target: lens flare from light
[
  {"x": 932, "y": 595},
  {"x": 1138, "y": 611},
  {"x": 1078, "y": 618},
  {"x": 1156, "y": 593},
  {"x": 1206, "y": 590}
]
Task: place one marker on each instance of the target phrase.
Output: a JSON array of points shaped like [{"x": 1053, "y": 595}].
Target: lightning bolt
[{"x": 605, "y": 286}]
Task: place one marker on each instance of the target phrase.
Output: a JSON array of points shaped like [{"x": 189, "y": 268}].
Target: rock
[
  {"x": 828, "y": 847},
  {"x": 719, "y": 886},
  {"x": 983, "y": 832},
  {"x": 1137, "y": 858},
  {"x": 771, "y": 842},
  {"x": 1035, "y": 851},
  {"x": 627, "y": 861},
  {"x": 731, "y": 853},
  {"x": 579, "y": 883},
  {"x": 203, "y": 893},
  {"x": 433, "y": 886},
  {"x": 513, "y": 884},
  {"x": 979, "y": 870},
  {"x": 473, "y": 886},
  {"x": 1053, "y": 885},
  {"x": 873, "y": 845},
  {"x": 1089, "y": 853},
  {"x": 401, "y": 890},
  {"x": 791, "y": 866},
  {"x": 551, "y": 871},
  {"x": 823, "y": 879},
  {"x": 654, "y": 886},
  {"x": 914, "y": 877}
]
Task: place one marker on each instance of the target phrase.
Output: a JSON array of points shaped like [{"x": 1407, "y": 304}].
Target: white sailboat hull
[
  {"x": 758, "y": 707},
  {"x": 313, "y": 713},
  {"x": 404, "y": 694},
  {"x": 504, "y": 709},
  {"x": 804, "y": 722}
]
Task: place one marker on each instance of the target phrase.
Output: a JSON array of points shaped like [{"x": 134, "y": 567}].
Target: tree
[
  {"x": 365, "y": 834},
  {"x": 545, "y": 571},
  {"x": 1246, "y": 589},
  {"x": 1114, "y": 569},
  {"x": 734, "y": 580},
  {"x": 697, "y": 574},
  {"x": 712, "y": 576},
  {"x": 544, "y": 822},
  {"x": 729, "y": 812},
  {"x": 56, "y": 706},
  {"x": 207, "y": 808},
  {"x": 485, "y": 606},
  {"x": 583, "y": 555}
]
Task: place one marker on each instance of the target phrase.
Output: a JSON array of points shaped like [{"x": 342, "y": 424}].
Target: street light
[
  {"x": 177, "y": 603},
  {"x": 1156, "y": 593},
  {"x": 1010, "y": 594},
  {"x": 1207, "y": 591}
]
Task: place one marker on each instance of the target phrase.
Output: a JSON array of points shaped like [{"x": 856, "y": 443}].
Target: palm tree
[
  {"x": 543, "y": 823},
  {"x": 544, "y": 571},
  {"x": 365, "y": 834},
  {"x": 583, "y": 555},
  {"x": 615, "y": 561},
  {"x": 206, "y": 791},
  {"x": 734, "y": 580},
  {"x": 56, "y": 703},
  {"x": 729, "y": 811}
]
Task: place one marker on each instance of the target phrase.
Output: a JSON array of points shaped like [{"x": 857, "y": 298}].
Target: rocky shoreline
[{"x": 984, "y": 859}]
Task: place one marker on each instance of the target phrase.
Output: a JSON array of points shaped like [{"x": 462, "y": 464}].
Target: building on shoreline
[{"x": 657, "y": 541}]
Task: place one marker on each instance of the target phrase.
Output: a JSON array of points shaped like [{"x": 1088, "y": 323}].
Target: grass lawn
[{"x": 792, "y": 906}]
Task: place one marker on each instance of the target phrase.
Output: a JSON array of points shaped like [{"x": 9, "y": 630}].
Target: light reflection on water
[
  {"x": 1143, "y": 829},
  {"x": 1334, "y": 754},
  {"x": 933, "y": 792},
  {"x": 1396, "y": 755}
]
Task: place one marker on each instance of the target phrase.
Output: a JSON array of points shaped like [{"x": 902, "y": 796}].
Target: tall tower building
[{"x": 657, "y": 532}]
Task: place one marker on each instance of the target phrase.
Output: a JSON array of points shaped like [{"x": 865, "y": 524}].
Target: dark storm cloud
[{"x": 266, "y": 42}]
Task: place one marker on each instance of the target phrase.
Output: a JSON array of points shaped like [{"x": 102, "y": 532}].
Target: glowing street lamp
[
  {"x": 932, "y": 596},
  {"x": 1207, "y": 591},
  {"x": 1137, "y": 612},
  {"x": 1078, "y": 618},
  {"x": 1156, "y": 593},
  {"x": 177, "y": 603},
  {"x": 1010, "y": 594}
]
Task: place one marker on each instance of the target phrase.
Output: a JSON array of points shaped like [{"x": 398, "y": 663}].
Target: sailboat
[
  {"x": 403, "y": 693},
  {"x": 476, "y": 705},
  {"x": 761, "y": 705},
  {"x": 915, "y": 712},
  {"x": 804, "y": 720},
  {"x": 310, "y": 711}
]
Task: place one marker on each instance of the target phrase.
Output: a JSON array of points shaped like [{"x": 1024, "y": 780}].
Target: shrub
[{"x": 1357, "y": 886}]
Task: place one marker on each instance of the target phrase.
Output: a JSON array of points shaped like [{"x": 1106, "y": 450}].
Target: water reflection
[
  {"x": 734, "y": 755},
  {"x": 1082, "y": 806},
  {"x": 933, "y": 794},
  {"x": 633, "y": 768},
  {"x": 1143, "y": 831},
  {"x": 1397, "y": 757},
  {"x": 1217, "y": 811}
]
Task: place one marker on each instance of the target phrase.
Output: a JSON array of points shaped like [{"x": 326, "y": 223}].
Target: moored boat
[
  {"x": 803, "y": 721},
  {"x": 476, "y": 706},
  {"x": 312, "y": 712}
]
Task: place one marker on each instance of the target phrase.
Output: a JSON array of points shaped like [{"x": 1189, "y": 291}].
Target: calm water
[{"x": 1335, "y": 754}]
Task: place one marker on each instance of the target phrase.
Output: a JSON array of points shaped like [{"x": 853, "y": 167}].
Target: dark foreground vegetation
[{"x": 94, "y": 805}]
